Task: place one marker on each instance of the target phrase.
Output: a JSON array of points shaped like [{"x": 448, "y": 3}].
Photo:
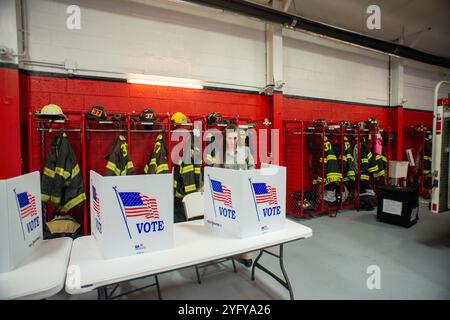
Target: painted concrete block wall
[
  {"x": 155, "y": 37},
  {"x": 321, "y": 68},
  {"x": 420, "y": 81},
  {"x": 8, "y": 34}
]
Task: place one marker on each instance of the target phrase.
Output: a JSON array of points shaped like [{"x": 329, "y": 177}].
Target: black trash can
[{"x": 398, "y": 205}]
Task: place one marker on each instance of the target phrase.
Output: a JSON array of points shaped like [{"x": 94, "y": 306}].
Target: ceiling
[{"x": 414, "y": 16}]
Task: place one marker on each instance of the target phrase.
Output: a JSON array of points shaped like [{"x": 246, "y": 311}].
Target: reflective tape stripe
[
  {"x": 48, "y": 172},
  {"x": 162, "y": 167},
  {"x": 364, "y": 177},
  {"x": 331, "y": 157},
  {"x": 379, "y": 174},
  {"x": 373, "y": 169},
  {"x": 146, "y": 169},
  {"x": 365, "y": 160},
  {"x": 153, "y": 161},
  {"x": 74, "y": 202},
  {"x": 61, "y": 172},
  {"x": 75, "y": 171},
  {"x": 197, "y": 170},
  {"x": 427, "y": 158},
  {"x": 45, "y": 197},
  {"x": 187, "y": 169},
  {"x": 130, "y": 165},
  {"x": 55, "y": 200},
  {"x": 111, "y": 166},
  {"x": 190, "y": 188}
]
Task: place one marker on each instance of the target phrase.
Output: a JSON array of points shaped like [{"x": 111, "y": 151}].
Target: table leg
[
  {"x": 102, "y": 294},
  {"x": 285, "y": 283}
]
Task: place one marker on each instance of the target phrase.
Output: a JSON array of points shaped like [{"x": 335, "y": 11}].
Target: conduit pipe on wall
[{"x": 296, "y": 22}]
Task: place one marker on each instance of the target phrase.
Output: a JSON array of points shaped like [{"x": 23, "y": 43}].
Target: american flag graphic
[
  {"x": 96, "y": 203},
  {"x": 221, "y": 193},
  {"x": 27, "y": 204},
  {"x": 265, "y": 193},
  {"x": 137, "y": 205}
]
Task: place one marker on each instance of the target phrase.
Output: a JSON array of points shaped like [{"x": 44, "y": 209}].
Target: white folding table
[
  {"x": 194, "y": 245},
  {"x": 41, "y": 275}
]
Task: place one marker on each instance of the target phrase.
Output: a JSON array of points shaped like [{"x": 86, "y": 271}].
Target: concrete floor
[{"x": 414, "y": 264}]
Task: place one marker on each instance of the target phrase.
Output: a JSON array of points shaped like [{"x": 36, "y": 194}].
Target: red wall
[
  {"x": 10, "y": 160},
  {"x": 81, "y": 95},
  {"x": 309, "y": 110}
]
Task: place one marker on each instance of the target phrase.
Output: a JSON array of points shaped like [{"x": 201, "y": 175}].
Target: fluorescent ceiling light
[{"x": 164, "y": 81}]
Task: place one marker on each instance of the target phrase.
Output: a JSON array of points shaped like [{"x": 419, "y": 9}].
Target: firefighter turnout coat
[
  {"x": 157, "y": 162},
  {"x": 62, "y": 183},
  {"x": 119, "y": 162}
]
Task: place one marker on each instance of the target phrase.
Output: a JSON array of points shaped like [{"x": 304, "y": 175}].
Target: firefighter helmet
[
  {"x": 118, "y": 117},
  {"x": 50, "y": 111},
  {"x": 148, "y": 115},
  {"x": 97, "y": 113},
  {"x": 372, "y": 121},
  {"x": 179, "y": 118},
  {"x": 345, "y": 123},
  {"x": 213, "y": 117},
  {"x": 320, "y": 123}
]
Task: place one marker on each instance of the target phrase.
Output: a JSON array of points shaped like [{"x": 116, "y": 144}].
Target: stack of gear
[
  {"x": 380, "y": 159},
  {"x": 427, "y": 157},
  {"x": 210, "y": 149},
  {"x": 119, "y": 162},
  {"x": 349, "y": 162},
  {"x": 62, "y": 183},
  {"x": 50, "y": 111},
  {"x": 308, "y": 200},
  {"x": 187, "y": 174},
  {"x": 333, "y": 173},
  {"x": 368, "y": 167},
  {"x": 97, "y": 113},
  {"x": 158, "y": 160}
]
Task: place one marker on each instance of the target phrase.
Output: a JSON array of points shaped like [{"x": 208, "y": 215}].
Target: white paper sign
[
  {"x": 245, "y": 203},
  {"x": 132, "y": 214},
  {"x": 20, "y": 219},
  {"x": 392, "y": 207}
]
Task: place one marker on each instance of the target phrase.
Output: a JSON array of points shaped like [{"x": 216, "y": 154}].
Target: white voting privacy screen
[
  {"x": 245, "y": 203},
  {"x": 20, "y": 219},
  {"x": 131, "y": 214}
]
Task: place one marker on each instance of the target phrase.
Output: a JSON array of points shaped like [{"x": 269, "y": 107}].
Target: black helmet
[
  {"x": 213, "y": 117},
  {"x": 118, "y": 117},
  {"x": 148, "y": 115},
  {"x": 97, "y": 113}
]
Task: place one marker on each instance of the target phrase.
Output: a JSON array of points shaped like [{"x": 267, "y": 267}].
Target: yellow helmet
[
  {"x": 51, "y": 111},
  {"x": 179, "y": 118}
]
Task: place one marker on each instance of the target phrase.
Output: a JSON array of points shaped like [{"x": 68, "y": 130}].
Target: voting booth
[
  {"x": 131, "y": 214},
  {"x": 245, "y": 203},
  {"x": 20, "y": 219}
]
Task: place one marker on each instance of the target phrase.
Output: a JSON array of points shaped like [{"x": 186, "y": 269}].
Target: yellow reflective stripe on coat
[
  {"x": 111, "y": 166},
  {"x": 49, "y": 173},
  {"x": 373, "y": 169},
  {"x": 55, "y": 200},
  {"x": 427, "y": 158},
  {"x": 331, "y": 157},
  {"x": 364, "y": 177},
  {"x": 162, "y": 167},
  {"x": 197, "y": 170},
  {"x": 190, "y": 188},
  {"x": 61, "y": 172},
  {"x": 45, "y": 197},
  {"x": 74, "y": 202},
  {"x": 146, "y": 168},
  {"x": 379, "y": 174},
  {"x": 187, "y": 169},
  {"x": 75, "y": 171}
]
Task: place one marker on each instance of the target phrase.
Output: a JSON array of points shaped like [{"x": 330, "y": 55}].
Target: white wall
[
  {"x": 420, "y": 81},
  {"x": 321, "y": 68},
  {"x": 8, "y": 27},
  {"x": 157, "y": 37}
]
